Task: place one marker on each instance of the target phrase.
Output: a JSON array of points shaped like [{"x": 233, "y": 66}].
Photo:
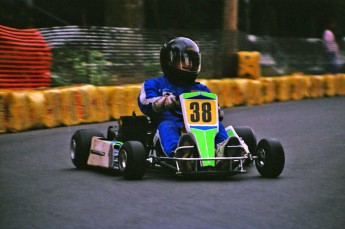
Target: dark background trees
[
  {"x": 293, "y": 18},
  {"x": 281, "y": 18}
]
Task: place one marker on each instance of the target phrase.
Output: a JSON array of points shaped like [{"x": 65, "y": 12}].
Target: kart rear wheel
[
  {"x": 270, "y": 158},
  {"x": 132, "y": 160},
  {"x": 80, "y": 146}
]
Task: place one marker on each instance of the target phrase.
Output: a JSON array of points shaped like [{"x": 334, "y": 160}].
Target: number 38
[{"x": 203, "y": 112}]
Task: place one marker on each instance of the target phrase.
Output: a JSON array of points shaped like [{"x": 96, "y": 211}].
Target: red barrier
[{"x": 25, "y": 59}]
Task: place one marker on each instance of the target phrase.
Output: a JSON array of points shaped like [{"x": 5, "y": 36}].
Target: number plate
[{"x": 201, "y": 111}]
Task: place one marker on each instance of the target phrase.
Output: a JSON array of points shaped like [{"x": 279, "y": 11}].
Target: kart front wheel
[
  {"x": 132, "y": 160},
  {"x": 248, "y": 136},
  {"x": 270, "y": 158},
  {"x": 80, "y": 146}
]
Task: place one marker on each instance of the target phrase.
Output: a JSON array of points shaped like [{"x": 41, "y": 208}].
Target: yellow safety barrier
[
  {"x": 18, "y": 111},
  {"x": 114, "y": 104},
  {"x": 226, "y": 93},
  {"x": 102, "y": 104},
  {"x": 132, "y": 93},
  {"x": 69, "y": 111},
  {"x": 254, "y": 92},
  {"x": 82, "y": 97},
  {"x": 329, "y": 85},
  {"x": 36, "y": 105},
  {"x": 221, "y": 87},
  {"x": 117, "y": 102},
  {"x": 283, "y": 90},
  {"x": 124, "y": 101},
  {"x": 340, "y": 84},
  {"x": 72, "y": 105},
  {"x": 268, "y": 89},
  {"x": 88, "y": 109},
  {"x": 238, "y": 91},
  {"x": 316, "y": 86},
  {"x": 342, "y": 81},
  {"x": 298, "y": 86},
  {"x": 249, "y": 65},
  {"x": 52, "y": 116},
  {"x": 3, "y": 116},
  {"x": 215, "y": 87}
]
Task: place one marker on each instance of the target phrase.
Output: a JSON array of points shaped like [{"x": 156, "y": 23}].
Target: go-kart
[{"x": 132, "y": 145}]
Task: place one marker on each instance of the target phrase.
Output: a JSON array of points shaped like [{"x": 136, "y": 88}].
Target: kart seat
[{"x": 135, "y": 128}]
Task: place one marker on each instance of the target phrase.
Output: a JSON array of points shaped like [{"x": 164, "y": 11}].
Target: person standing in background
[{"x": 332, "y": 51}]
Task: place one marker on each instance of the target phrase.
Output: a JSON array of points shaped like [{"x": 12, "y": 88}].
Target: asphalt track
[{"x": 40, "y": 188}]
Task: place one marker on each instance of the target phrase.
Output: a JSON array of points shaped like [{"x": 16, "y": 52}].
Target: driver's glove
[
  {"x": 159, "y": 105},
  {"x": 171, "y": 103},
  {"x": 162, "y": 103}
]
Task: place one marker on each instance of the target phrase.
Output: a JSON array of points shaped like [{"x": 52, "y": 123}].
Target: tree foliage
[{"x": 282, "y": 18}]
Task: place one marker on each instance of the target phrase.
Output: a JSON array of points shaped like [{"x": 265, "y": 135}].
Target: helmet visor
[{"x": 186, "y": 61}]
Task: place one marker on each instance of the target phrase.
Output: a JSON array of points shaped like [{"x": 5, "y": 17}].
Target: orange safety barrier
[{"x": 25, "y": 59}]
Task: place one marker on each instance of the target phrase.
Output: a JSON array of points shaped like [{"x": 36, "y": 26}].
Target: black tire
[
  {"x": 80, "y": 146},
  {"x": 248, "y": 136},
  {"x": 132, "y": 160},
  {"x": 270, "y": 158}
]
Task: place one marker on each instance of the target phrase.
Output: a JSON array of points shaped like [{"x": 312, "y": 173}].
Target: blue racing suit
[{"x": 169, "y": 125}]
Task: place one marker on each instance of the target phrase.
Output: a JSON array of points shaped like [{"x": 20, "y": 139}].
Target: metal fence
[
  {"x": 107, "y": 56},
  {"x": 282, "y": 56}
]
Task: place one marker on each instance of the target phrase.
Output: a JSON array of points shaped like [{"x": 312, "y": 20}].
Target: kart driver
[{"x": 180, "y": 61}]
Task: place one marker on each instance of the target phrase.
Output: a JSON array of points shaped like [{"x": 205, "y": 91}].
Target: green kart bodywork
[{"x": 204, "y": 133}]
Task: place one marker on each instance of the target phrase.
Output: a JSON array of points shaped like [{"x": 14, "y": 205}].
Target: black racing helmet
[{"x": 180, "y": 61}]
